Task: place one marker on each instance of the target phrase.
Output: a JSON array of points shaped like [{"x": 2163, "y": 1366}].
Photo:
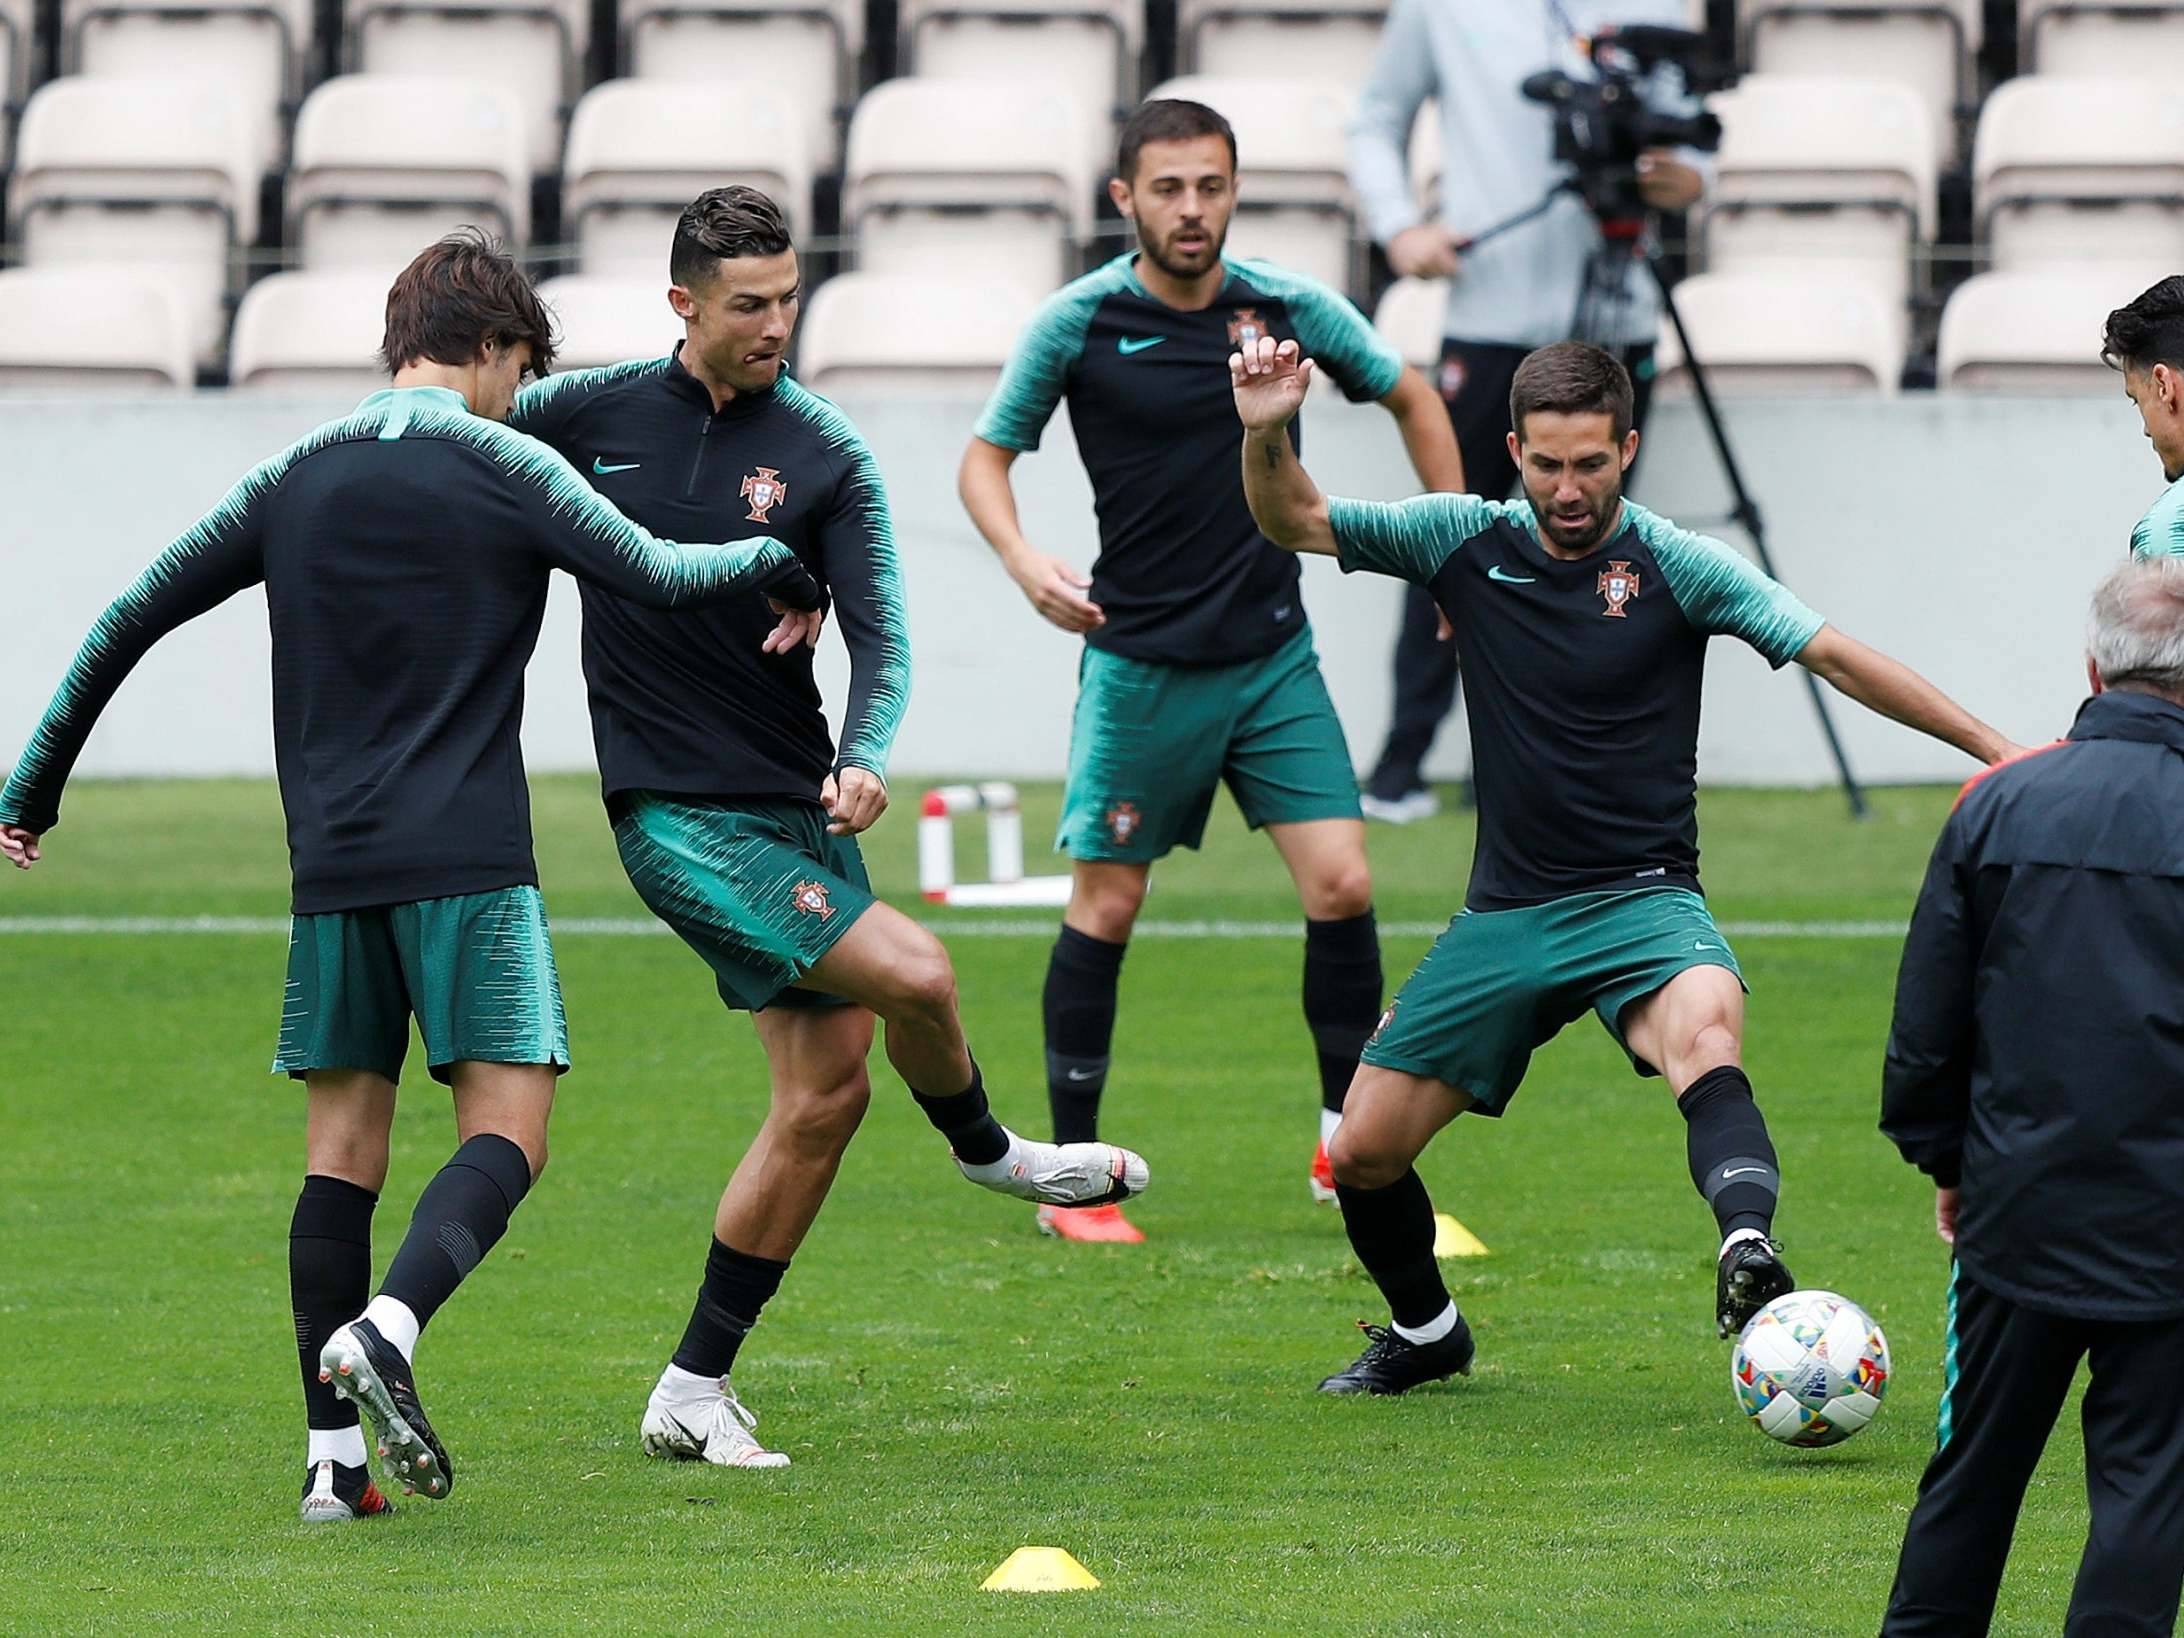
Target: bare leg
[{"x": 820, "y": 1091}]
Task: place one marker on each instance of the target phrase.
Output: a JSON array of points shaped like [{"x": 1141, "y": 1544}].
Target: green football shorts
[
  {"x": 476, "y": 971},
  {"x": 756, "y": 886},
  {"x": 1152, "y": 741},
  {"x": 1500, "y": 984}
]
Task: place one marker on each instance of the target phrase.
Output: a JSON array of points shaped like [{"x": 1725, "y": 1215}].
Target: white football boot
[
  {"x": 709, "y": 1426},
  {"x": 1063, "y": 1174}
]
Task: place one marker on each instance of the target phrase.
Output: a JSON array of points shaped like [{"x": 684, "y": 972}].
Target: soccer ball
[{"x": 1810, "y": 1368}]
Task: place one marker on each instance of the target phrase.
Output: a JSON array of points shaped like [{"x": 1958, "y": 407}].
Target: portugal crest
[
  {"x": 765, "y": 491},
  {"x": 1245, "y": 326},
  {"x": 811, "y": 898},
  {"x": 1123, "y": 820},
  {"x": 1618, "y": 584}
]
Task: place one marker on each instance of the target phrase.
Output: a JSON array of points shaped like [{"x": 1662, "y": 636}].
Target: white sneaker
[
  {"x": 1400, "y": 810},
  {"x": 710, "y": 1427},
  {"x": 1063, "y": 1174}
]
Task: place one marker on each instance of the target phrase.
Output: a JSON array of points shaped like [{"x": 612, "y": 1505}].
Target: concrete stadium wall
[{"x": 1960, "y": 533}]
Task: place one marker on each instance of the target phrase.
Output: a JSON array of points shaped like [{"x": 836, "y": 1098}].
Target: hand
[
  {"x": 2006, "y": 751},
  {"x": 1427, "y": 251},
  {"x": 1945, "y": 1215},
  {"x": 854, "y": 799},
  {"x": 18, "y": 846},
  {"x": 1057, "y": 592},
  {"x": 1666, "y": 182},
  {"x": 1269, "y": 381},
  {"x": 795, "y": 626}
]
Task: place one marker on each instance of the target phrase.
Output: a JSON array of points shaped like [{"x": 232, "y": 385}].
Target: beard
[
  {"x": 1174, "y": 266},
  {"x": 1595, "y": 529}
]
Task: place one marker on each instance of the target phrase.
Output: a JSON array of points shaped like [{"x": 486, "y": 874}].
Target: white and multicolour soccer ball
[{"x": 1810, "y": 1369}]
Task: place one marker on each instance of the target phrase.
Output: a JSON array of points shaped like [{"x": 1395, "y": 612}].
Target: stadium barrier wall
[{"x": 1961, "y": 533}]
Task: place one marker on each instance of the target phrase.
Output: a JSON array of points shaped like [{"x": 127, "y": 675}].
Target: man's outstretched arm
[
  {"x": 1270, "y": 381},
  {"x": 1894, "y": 690}
]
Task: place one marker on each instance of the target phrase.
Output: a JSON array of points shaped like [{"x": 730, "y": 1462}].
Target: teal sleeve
[
  {"x": 543, "y": 408},
  {"x": 214, "y": 559},
  {"x": 1338, "y": 338},
  {"x": 1038, "y": 369},
  {"x": 1719, "y": 589},
  {"x": 1409, "y": 539},
  {"x": 2160, "y": 533}
]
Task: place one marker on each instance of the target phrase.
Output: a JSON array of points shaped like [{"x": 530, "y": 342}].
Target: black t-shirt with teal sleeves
[
  {"x": 1183, "y": 574},
  {"x": 1583, "y": 679}
]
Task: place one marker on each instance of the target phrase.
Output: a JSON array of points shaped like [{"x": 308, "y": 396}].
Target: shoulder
[
  {"x": 2160, "y": 533},
  {"x": 1280, "y": 283},
  {"x": 1993, "y": 785},
  {"x": 1671, "y": 541},
  {"x": 557, "y": 396},
  {"x": 1063, "y": 316}
]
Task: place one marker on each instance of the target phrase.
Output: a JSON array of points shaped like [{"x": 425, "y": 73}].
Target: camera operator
[{"x": 1515, "y": 291}]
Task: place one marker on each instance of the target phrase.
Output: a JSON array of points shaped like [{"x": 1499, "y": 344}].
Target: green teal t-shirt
[{"x": 2160, "y": 533}]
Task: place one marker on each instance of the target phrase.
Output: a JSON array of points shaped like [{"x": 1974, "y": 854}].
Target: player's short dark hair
[
  {"x": 1168, "y": 119},
  {"x": 458, "y": 295},
  {"x": 720, "y": 225},
  {"x": 1572, "y": 378},
  {"x": 2149, "y": 330}
]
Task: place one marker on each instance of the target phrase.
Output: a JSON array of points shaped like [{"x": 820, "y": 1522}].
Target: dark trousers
[
  {"x": 1473, "y": 378},
  {"x": 2009, "y": 1373}
]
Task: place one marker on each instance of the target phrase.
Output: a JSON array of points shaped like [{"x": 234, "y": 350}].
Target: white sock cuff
[
  {"x": 396, "y": 1321},
  {"x": 343, "y": 1445},
  {"x": 677, "y": 1383},
  {"x": 1432, "y": 1331},
  {"x": 1330, "y": 1121},
  {"x": 1738, "y": 1238}
]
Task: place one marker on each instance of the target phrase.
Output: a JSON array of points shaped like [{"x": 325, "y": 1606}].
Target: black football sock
[
  {"x": 1342, "y": 990},
  {"x": 964, "y": 1119},
  {"x": 329, "y": 1280},
  {"x": 1391, "y": 1230},
  {"x": 459, "y": 1218},
  {"x": 1732, "y": 1159},
  {"x": 736, "y": 1287},
  {"x": 1080, "y": 1026}
]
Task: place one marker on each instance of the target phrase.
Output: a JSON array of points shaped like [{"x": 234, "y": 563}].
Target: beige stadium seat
[
  {"x": 1086, "y": 50},
  {"x": 949, "y": 175},
  {"x": 384, "y": 165},
  {"x": 2069, "y": 171},
  {"x": 1293, "y": 194},
  {"x": 610, "y": 318},
  {"x": 1413, "y": 316},
  {"x": 310, "y": 332},
  {"x": 155, "y": 175},
  {"x": 805, "y": 49},
  {"x": 254, "y": 50},
  {"x": 873, "y": 333},
  {"x": 78, "y": 327},
  {"x": 1331, "y": 42},
  {"x": 639, "y": 151},
  {"x": 2035, "y": 332},
  {"x": 1927, "y": 45},
  {"x": 533, "y": 48},
  {"x": 2101, "y": 37},
  {"x": 1766, "y": 333}
]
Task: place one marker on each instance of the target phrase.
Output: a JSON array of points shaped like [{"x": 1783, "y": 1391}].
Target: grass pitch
[{"x": 949, "y": 1384}]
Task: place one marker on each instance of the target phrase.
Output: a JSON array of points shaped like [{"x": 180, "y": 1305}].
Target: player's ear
[
  {"x": 1516, "y": 450},
  {"x": 2169, "y": 386},
  {"x": 1630, "y": 448},
  {"x": 684, "y": 304},
  {"x": 1119, "y": 191},
  {"x": 2093, "y": 676}
]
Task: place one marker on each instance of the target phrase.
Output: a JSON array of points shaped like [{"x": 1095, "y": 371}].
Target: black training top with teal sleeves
[
  {"x": 1183, "y": 573},
  {"x": 404, "y": 551},
  {"x": 1583, "y": 679},
  {"x": 686, "y": 702}
]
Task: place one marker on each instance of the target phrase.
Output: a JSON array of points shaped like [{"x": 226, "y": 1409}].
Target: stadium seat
[
  {"x": 609, "y": 318},
  {"x": 156, "y": 176},
  {"x": 1087, "y": 50},
  {"x": 1780, "y": 334},
  {"x": 639, "y": 151},
  {"x": 807, "y": 50},
  {"x": 2101, "y": 37},
  {"x": 66, "y": 328},
  {"x": 857, "y": 338},
  {"x": 2070, "y": 171},
  {"x": 1927, "y": 45},
  {"x": 1293, "y": 195},
  {"x": 310, "y": 332},
  {"x": 1833, "y": 176},
  {"x": 1413, "y": 315},
  {"x": 2034, "y": 332},
  {"x": 533, "y": 48},
  {"x": 384, "y": 165},
  {"x": 1331, "y": 42},
  {"x": 946, "y": 175},
  {"x": 256, "y": 51}
]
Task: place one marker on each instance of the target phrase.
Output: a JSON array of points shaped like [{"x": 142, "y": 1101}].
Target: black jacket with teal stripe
[
  {"x": 404, "y": 551},
  {"x": 685, "y": 702}
]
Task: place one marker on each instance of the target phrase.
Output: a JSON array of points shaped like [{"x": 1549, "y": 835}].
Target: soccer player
[
  {"x": 1583, "y": 621},
  {"x": 1198, "y": 662},
  {"x": 404, "y": 550},
  {"x": 736, "y": 813},
  {"x": 2145, "y": 340}
]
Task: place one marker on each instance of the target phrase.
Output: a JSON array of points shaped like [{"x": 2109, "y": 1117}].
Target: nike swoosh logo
[
  {"x": 1126, "y": 346},
  {"x": 676, "y": 1423},
  {"x": 1080, "y": 1074},
  {"x": 1745, "y": 1171},
  {"x": 600, "y": 468},
  {"x": 1703, "y": 945},
  {"x": 1497, "y": 572}
]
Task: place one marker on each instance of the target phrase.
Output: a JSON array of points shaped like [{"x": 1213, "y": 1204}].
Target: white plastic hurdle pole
[{"x": 1005, "y": 882}]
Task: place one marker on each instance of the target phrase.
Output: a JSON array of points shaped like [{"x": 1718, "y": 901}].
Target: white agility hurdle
[{"x": 1005, "y": 883}]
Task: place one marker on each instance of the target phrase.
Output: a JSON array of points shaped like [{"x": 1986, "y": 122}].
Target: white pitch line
[{"x": 950, "y": 927}]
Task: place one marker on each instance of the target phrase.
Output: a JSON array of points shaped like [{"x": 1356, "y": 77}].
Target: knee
[
  {"x": 1360, "y": 1162},
  {"x": 922, "y": 979},
  {"x": 533, "y": 1146},
  {"x": 1107, "y": 909},
  {"x": 1713, "y": 1046},
  {"x": 1342, "y": 892},
  {"x": 820, "y": 1124}
]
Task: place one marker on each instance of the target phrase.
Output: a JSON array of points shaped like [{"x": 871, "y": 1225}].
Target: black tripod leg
[{"x": 1746, "y": 512}]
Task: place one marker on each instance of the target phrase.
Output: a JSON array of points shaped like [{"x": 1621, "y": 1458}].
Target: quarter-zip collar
[{"x": 683, "y": 384}]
